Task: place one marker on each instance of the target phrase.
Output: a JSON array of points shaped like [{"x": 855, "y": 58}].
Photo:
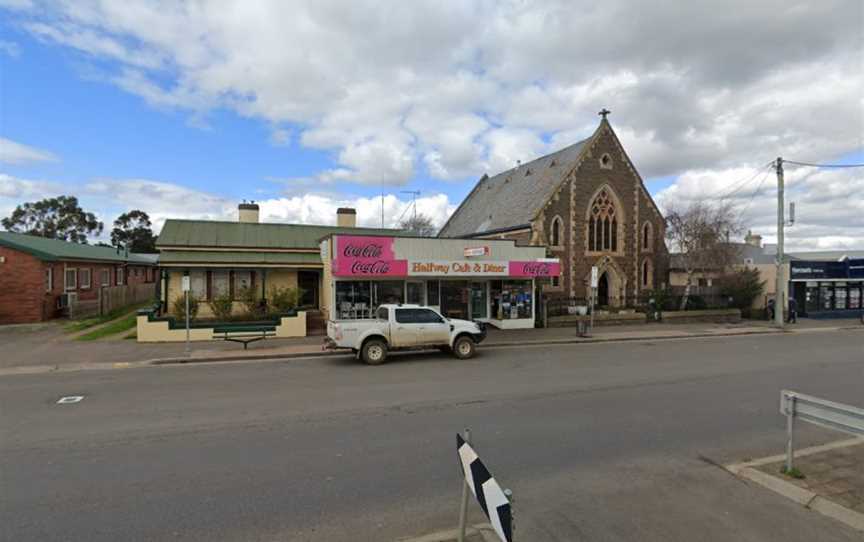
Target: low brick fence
[{"x": 671, "y": 317}]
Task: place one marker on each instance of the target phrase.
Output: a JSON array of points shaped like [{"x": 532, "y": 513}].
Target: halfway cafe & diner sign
[{"x": 361, "y": 256}]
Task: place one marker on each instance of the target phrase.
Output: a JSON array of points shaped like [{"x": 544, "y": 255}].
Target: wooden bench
[{"x": 244, "y": 333}]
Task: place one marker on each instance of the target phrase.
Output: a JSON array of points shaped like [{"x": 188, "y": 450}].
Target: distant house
[
  {"x": 40, "y": 275},
  {"x": 587, "y": 205}
]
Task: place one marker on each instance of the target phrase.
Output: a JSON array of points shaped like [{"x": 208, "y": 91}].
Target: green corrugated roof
[
  {"x": 55, "y": 249},
  {"x": 238, "y": 258},
  {"x": 208, "y": 233}
]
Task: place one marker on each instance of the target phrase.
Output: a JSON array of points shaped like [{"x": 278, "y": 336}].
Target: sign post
[
  {"x": 186, "y": 287},
  {"x": 594, "y": 279},
  {"x": 463, "y": 509},
  {"x": 495, "y": 502}
]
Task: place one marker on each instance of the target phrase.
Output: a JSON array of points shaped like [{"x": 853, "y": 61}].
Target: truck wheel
[
  {"x": 374, "y": 352},
  {"x": 464, "y": 347}
]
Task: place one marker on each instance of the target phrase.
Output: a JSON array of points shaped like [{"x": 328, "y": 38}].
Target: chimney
[
  {"x": 753, "y": 240},
  {"x": 248, "y": 212},
  {"x": 346, "y": 217}
]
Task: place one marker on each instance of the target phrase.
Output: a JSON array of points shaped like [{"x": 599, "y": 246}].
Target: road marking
[
  {"x": 122, "y": 365},
  {"x": 70, "y": 399}
]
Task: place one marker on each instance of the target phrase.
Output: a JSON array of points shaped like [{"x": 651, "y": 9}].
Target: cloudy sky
[{"x": 184, "y": 109}]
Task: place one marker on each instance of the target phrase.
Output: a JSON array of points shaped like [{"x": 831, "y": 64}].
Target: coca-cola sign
[
  {"x": 360, "y": 256},
  {"x": 363, "y": 250},
  {"x": 535, "y": 269}
]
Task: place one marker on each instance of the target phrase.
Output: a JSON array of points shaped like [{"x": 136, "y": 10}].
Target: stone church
[{"x": 588, "y": 205}]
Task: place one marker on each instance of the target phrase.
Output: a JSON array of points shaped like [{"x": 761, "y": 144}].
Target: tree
[
  {"x": 420, "y": 225},
  {"x": 700, "y": 234},
  {"x": 133, "y": 231},
  {"x": 743, "y": 286},
  {"x": 55, "y": 218}
]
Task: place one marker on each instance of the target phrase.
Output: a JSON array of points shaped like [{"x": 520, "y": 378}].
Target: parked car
[{"x": 404, "y": 327}]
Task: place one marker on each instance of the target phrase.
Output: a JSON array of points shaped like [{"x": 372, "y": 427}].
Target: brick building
[
  {"x": 37, "y": 275},
  {"x": 588, "y": 205}
]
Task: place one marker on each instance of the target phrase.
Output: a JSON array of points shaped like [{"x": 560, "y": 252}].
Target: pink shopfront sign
[
  {"x": 358, "y": 256},
  {"x": 361, "y": 256},
  {"x": 535, "y": 269}
]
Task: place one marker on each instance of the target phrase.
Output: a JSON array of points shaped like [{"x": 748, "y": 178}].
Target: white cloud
[
  {"x": 456, "y": 90},
  {"x": 12, "y": 152}
]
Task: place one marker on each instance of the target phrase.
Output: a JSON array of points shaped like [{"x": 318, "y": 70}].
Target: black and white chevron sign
[{"x": 489, "y": 494}]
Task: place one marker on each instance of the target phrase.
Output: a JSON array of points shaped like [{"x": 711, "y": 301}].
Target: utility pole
[
  {"x": 780, "y": 286},
  {"x": 382, "y": 210}
]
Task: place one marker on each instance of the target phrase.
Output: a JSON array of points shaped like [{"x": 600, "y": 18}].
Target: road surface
[{"x": 601, "y": 442}]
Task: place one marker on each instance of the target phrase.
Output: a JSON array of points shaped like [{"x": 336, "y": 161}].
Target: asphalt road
[{"x": 601, "y": 442}]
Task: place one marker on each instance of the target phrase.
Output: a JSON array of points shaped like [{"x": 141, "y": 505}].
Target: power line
[
  {"x": 739, "y": 185},
  {"x": 820, "y": 165},
  {"x": 754, "y": 194}
]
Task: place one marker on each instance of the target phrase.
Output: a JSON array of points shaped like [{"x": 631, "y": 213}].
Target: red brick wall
[{"x": 21, "y": 287}]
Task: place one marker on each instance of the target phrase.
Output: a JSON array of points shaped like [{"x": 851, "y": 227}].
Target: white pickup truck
[{"x": 404, "y": 327}]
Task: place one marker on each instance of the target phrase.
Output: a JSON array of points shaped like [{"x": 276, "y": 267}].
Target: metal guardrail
[{"x": 822, "y": 412}]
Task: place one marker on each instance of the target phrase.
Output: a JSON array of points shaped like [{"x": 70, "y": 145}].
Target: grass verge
[
  {"x": 80, "y": 325},
  {"x": 121, "y": 325}
]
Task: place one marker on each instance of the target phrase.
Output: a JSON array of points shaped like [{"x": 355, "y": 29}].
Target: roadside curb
[{"x": 806, "y": 498}]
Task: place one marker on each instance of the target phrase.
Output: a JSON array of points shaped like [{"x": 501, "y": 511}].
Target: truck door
[
  {"x": 405, "y": 329},
  {"x": 436, "y": 330}
]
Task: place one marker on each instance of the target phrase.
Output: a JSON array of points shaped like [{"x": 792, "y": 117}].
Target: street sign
[
  {"x": 594, "y": 277},
  {"x": 491, "y": 498},
  {"x": 186, "y": 283}
]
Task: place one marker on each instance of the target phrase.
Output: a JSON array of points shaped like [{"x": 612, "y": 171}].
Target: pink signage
[
  {"x": 535, "y": 269},
  {"x": 358, "y": 256}
]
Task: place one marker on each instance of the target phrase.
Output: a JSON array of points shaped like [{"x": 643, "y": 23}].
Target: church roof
[{"x": 512, "y": 198}]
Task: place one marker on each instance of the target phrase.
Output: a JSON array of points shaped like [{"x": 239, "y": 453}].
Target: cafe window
[
  {"x": 388, "y": 291},
  {"x": 353, "y": 299},
  {"x": 220, "y": 283},
  {"x": 432, "y": 293},
  {"x": 511, "y": 299}
]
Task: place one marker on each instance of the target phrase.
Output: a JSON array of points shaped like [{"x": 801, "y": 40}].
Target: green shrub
[
  {"x": 284, "y": 299},
  {"x": 178, "y": 308},
  {"x": 251, "y": 302},
  {"x": 743, "y": 286},
  {"x": 222, "y": 305}
]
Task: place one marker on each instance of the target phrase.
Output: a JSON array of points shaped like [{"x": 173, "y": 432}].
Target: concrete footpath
[
  {"x": 40, "y": 349},
  {"x": 831, "y": 479}
]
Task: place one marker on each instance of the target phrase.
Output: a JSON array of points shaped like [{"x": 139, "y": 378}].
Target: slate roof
[
  {"x": 54, "y": 249},
  {"x": 215, "y": 234},
  {"x": 512, "y": 198}
]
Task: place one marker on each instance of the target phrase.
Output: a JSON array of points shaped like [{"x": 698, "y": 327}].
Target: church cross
[{"x": 603, "y": 112}]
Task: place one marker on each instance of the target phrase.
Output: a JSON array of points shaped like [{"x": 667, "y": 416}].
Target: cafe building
[
  {"x": 827, "y": 288},
  {"x": 492, "y": 281}
]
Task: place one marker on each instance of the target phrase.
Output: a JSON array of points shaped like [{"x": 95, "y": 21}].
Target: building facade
[
  {"x": 588, "y": 206},
  {"x": 41, "y": 277},
  {"x": 490, "y": 281}
]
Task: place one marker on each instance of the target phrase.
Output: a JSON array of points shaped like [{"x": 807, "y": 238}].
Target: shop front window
[
  {"x": 511, "y": 299},
  {"x": 811, "y": 303},
  {"x": 220, "y": 282},
  {"x": 353, "y": 300},
  {"x": 478, "y": 300},
  {"x": 415, "y": 291},
  {"x": 826, "y": 296},
  {"x": 433, "y": 298},
  {"x": 840, "y": 296},
  {"x": 855, "y": 296},
  {"x": 454, "y": 299},
  {"x": 388, "y": 291}
]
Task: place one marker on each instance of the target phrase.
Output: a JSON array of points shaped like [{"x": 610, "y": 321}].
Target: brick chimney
[
  {"x": 753, "y": 240},
  {"x": 248, "y": 212},
  {"x": 346, "y": 217}
]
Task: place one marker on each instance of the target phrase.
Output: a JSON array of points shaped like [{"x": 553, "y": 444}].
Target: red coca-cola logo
[
  {"x": 537, "y": 269},
  {"x": 378, "y": 267},
  {"x": 369, "y": 250}
]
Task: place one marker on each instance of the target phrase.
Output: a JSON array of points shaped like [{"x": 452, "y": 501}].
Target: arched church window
[
  {"x": 603, "y": 224},
  {"x": 555, "y": 236}
]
